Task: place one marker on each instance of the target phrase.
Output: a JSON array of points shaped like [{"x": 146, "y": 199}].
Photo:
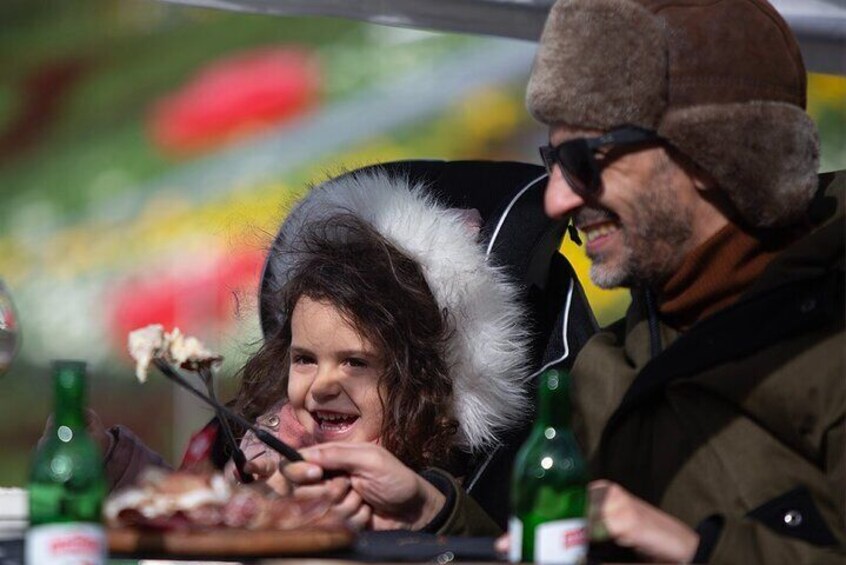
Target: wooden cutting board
[{"x": 227, "y": 542}]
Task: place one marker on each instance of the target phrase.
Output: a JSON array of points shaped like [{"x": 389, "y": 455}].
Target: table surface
[{"x": 371, "y": 547}]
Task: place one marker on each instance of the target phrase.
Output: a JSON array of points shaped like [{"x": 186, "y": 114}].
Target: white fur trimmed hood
[{"x": 487, "y": 351}]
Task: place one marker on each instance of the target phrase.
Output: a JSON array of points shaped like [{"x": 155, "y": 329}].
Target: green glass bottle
[
  {"x": 66, "y": 482},
  {"x": 549, "y": 484}
]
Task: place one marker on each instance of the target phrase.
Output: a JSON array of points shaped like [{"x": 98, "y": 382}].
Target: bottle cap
[{"x": 69, "y": 364}]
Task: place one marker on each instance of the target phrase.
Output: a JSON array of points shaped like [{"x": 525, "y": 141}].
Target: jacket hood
[{"x": 487, "y": 348}]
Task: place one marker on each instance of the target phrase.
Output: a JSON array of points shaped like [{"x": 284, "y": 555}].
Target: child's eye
[
  {"x": 302, "y": 359},
  {"x": 356, "y": 362}
]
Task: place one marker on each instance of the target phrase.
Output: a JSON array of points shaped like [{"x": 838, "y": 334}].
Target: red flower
[{"x": 235, "y": 97}]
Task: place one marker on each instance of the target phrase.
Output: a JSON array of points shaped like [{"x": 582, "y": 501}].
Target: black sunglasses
[{"x": 576, "y": 158}]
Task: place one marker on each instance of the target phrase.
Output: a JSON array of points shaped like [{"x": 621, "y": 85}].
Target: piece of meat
[
  {"x": 243, "y": 509},
  {"x": 179, "y": 501},
  {"x": 205, "y": 516},
  {"x": 152, "y": 342},
  {"x": 144, "y": 345},
  {"x": 293, "y": 513}
]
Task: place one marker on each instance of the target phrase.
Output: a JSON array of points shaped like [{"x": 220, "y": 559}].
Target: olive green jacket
[
  {"x": 739, "y": 422},
  {"x": 461, "y": 514}
]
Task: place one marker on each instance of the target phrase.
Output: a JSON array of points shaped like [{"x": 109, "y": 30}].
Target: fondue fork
[
  {"x": 238, "y": 456},
  {"x": 265, "y": 437}
]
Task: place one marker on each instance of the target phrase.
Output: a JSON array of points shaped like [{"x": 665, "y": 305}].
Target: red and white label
[
  {"x": 66, "y": 544},
  {"x": 561, "y": 541}
]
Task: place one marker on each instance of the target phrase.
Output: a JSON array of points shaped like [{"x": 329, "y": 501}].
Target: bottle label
[
  {"x": 515, "y": 535},
  {"x": 561, "y": 541},
  {"x": 66, "y": 544}
]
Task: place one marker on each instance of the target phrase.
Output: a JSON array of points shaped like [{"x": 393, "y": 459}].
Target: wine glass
[{"x": 9, "y": 329}]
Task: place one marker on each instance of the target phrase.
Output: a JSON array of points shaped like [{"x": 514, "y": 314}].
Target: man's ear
[
  {"x": 702, "y": 181},
  {"x": 707, "y": 188}
]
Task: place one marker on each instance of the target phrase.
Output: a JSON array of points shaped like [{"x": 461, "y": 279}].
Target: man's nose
[
  {"x": 559, "y": 199},
  {"x": 326, "y": 383}
]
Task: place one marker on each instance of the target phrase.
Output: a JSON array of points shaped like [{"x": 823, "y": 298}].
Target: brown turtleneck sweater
[{"x": 715, "y": 274}]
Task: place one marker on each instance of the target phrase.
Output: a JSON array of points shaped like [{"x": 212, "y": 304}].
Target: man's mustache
[{"x": 586, "y": 216}]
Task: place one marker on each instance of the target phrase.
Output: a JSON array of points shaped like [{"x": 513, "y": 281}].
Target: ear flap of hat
[
  {"x": 764, "y": 155},
  {"x": 600, "y": 64}
]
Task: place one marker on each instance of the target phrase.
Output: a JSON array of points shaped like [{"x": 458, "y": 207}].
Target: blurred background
[{"x": 149, "y": 151}]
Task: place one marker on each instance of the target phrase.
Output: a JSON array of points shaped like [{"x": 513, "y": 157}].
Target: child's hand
[
  {"x": 399, "y": 497},
  {"x": 263, "y": 466},
  {"x": 346, "y": 504},
  {"x": 261, "y": 462}
]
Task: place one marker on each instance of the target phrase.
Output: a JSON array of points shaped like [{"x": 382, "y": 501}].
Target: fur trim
[
  {"x": 764, "y": 155},
  {"x": 487, "y": 351},
  {"x": 599, "y": 64}
]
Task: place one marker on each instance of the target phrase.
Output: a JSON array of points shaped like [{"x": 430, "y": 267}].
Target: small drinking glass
[{"x": 10, "y": 339}]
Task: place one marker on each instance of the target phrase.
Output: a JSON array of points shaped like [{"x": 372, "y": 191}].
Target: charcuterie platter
[
  {"x": 227, "y": 542},
  {"x": 188, "y": 514}
]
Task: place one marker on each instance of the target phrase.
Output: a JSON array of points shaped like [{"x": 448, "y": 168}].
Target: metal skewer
[{"x": 266, "y": 438}]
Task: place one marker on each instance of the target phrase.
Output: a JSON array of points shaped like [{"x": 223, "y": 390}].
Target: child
[
  {"x": 409, "y": 276},
  {"x": 387, "y": 325}
]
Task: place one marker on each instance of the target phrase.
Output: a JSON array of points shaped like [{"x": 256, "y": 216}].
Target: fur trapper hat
[
  {"x": 722, "y": 80},
  {"x": 488, "y": 345}
]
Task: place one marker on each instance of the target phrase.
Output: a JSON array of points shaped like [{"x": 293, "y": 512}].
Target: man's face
[{"x": 638, "y": 227}]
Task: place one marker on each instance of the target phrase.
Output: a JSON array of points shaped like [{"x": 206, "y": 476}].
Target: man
[{"x": 714, "y": 413}]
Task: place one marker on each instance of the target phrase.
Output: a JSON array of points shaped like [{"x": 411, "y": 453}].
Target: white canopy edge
[{"x": 819, "y": 25}]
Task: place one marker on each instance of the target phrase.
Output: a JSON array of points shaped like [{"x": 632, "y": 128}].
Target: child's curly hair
[{"x": 383, "y": 293}]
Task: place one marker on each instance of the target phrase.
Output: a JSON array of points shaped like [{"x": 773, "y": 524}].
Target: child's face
[{"x": 334, "y": 375}]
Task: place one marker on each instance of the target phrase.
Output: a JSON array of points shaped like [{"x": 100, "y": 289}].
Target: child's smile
[{"x": 333, "y": 425}]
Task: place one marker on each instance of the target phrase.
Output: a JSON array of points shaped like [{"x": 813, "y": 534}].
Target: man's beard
[{"x": 653, "y": 244}]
